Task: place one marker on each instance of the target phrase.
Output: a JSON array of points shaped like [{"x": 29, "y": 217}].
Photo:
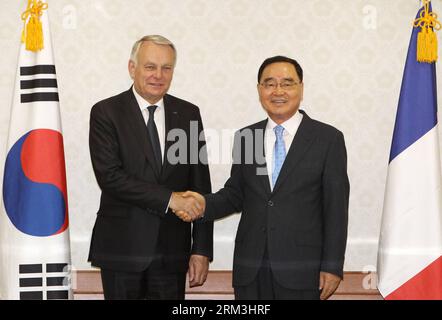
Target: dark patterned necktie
[{"x": 153, "y": 137}]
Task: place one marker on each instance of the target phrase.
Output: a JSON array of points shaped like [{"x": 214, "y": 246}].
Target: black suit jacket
[
  {"x": 303, "y": 222},
  {"x": 132, "y": 225}
]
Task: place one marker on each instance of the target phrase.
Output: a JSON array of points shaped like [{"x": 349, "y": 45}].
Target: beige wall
[{"x": 352, "y": 52}]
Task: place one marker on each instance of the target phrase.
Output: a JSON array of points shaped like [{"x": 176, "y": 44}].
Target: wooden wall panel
[{"x": 87, "y": 285}]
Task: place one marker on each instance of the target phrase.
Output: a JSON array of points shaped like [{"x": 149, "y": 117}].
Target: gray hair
[{"x": 157, "y": 39}]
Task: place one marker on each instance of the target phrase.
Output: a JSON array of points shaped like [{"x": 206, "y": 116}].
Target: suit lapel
[
  {"x": 171, "y": 117},
  {"x": 261, "y": 169},
  {"x": 140, "y": 129},
  {"x": 301, "y": 143}
]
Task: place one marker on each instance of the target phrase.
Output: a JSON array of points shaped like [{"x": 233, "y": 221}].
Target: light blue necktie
[{"x": 278, "y": 153}]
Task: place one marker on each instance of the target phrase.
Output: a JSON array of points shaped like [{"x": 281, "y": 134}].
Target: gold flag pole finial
[
  {"x": 427, "y": 39},
  {"x": 32, "y": 33}
]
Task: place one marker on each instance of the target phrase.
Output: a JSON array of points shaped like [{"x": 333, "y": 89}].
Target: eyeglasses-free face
[
  {"x": 153, "y": 71},
  {"x": 280, "y": 91}
]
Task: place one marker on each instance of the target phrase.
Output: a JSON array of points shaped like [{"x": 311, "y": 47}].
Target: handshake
[{"x": 188, "y": 206}]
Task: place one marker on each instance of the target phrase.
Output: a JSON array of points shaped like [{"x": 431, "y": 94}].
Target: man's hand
[
  {"x": 198, "y": 270},
  {"x": 200, "y": 202},
  {"x": 199, "y": 198},
  {"x": 186, "y": 207},
  {"x": 183, "y": 216},
  {"x": 328, "y": 282}
]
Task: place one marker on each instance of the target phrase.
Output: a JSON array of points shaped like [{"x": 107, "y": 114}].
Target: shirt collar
[
  {"x": 143, "y": 104},
  {"x": 291, "y": 125}
]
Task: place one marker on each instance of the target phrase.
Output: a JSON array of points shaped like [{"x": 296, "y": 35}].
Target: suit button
[{"x": 270, "y": 203}]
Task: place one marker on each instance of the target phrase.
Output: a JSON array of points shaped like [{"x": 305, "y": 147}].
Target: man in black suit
[
  {"x": 289, "y": 180},
  {"x": 142, "y": 248}
]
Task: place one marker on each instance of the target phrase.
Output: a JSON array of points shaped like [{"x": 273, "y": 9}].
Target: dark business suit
[
  {"x": 132, "y": 226},
  {"x": 301, "y": 226}
]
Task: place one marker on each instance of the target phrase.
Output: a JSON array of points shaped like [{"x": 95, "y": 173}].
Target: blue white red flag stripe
[{"x": 410, "y": 244}]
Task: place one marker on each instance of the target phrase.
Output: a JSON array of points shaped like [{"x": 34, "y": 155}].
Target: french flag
[
  {"x": 35, "y": 258},
  {"x": 410, "y": 245}
]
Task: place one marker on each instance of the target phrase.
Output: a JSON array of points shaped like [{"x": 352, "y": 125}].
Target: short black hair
[{"x": 276, "y": 59}]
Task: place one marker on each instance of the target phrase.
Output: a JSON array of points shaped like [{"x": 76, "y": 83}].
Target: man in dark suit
[
  {"x": 289, "y": 180},
  {"x": 142, "y": 248}
]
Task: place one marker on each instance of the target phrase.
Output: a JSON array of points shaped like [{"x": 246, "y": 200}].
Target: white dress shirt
[
  {"x": 160, "y": 121},
  {"x": 159, "y": 118},
  {"x": 290, "y": 128}
]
